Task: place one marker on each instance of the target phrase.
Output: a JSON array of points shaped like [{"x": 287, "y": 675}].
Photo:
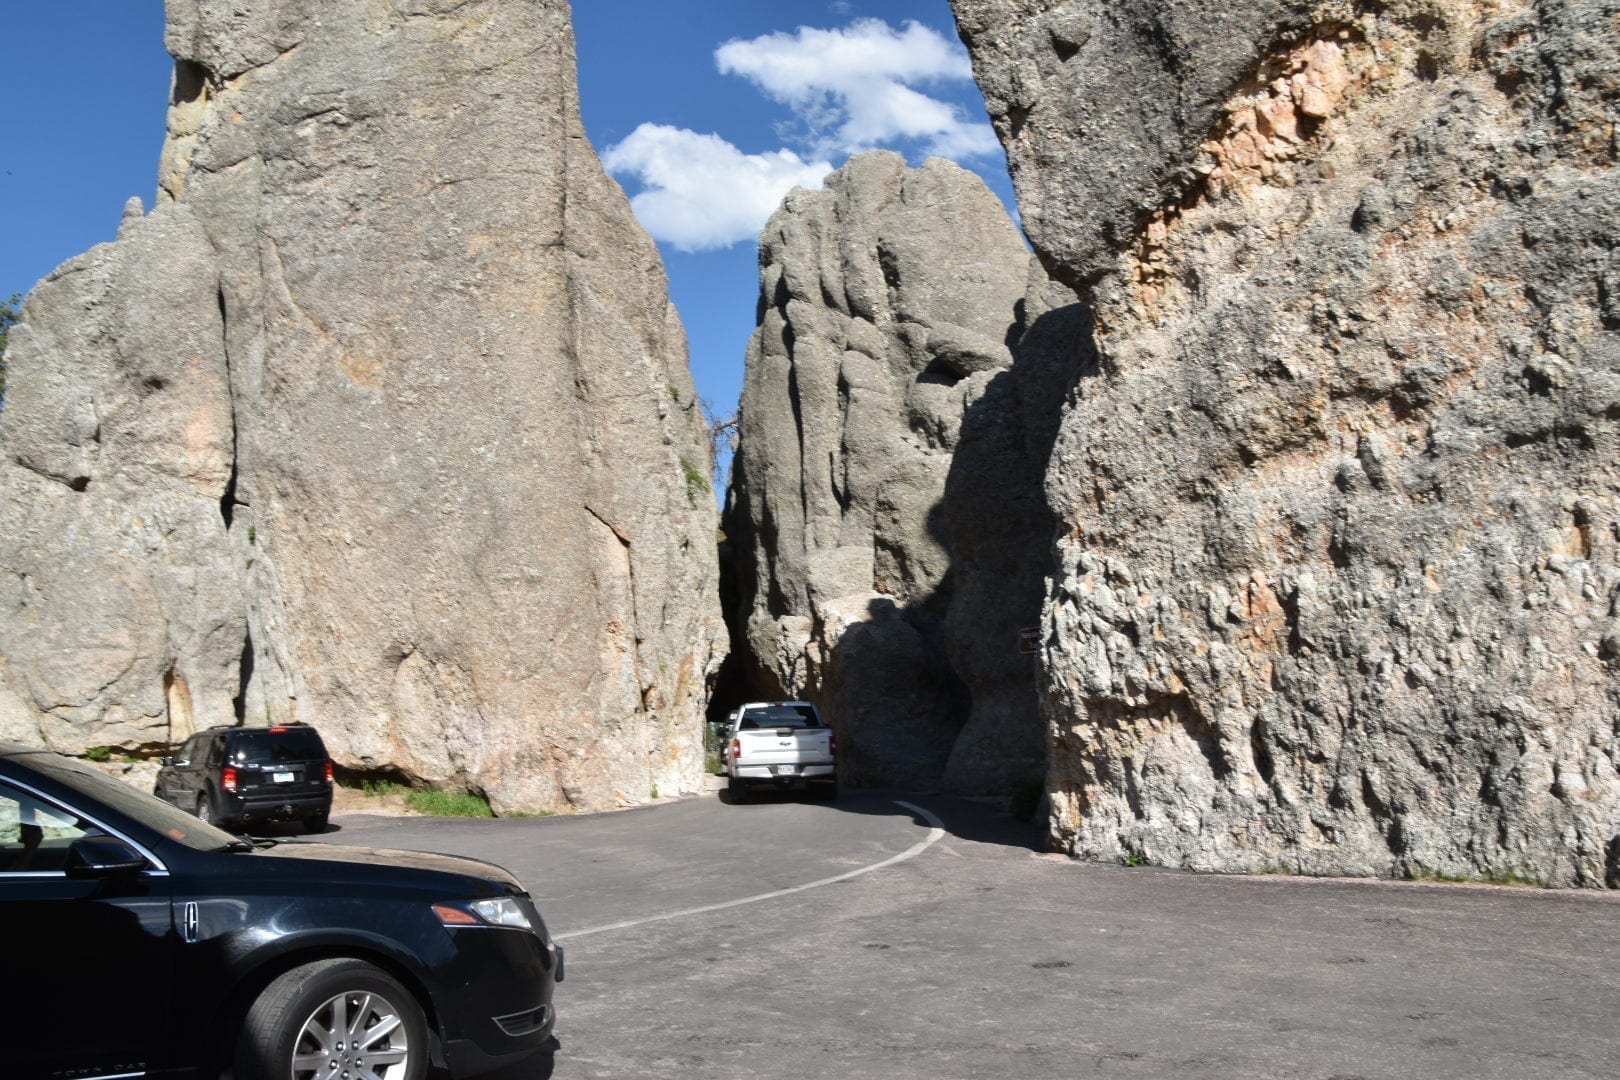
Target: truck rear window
[
  {"x": 275, "y": 747},
  {"x": 775, "y": 716}
]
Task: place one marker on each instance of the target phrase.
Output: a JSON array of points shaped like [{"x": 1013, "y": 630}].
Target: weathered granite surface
[
  {"x": 879, "y": 571},
  {"x": 121, "y": 611},
  {"x": 1340, "y": 556},
  {"x": 455, "y": 489}
]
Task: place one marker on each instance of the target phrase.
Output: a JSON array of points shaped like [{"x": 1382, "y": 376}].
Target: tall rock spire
[
  {"x": 1339, "y": 557},
  {"x": 453, "y": 508},
  {"x": 891, "y": 535}
]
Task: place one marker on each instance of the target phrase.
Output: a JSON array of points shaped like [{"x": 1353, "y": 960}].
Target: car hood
[{"x": 458, "y": 865}]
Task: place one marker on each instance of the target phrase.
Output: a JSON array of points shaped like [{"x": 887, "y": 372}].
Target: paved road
[{"x": 976, "y": 956}]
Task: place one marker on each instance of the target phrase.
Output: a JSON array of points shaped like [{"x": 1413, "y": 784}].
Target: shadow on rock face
[{"x": 940, "y": 693}]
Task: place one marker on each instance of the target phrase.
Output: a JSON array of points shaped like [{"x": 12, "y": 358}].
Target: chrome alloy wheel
[{"x": 356, "y": 1035}]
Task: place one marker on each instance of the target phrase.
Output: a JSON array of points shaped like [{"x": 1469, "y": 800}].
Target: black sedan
[{"x": 141, "y": 942}]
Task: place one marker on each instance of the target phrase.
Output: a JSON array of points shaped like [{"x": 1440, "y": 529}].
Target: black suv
[
  {"x": 143, "y": 942},
  {"x": 235, "y": 777}
]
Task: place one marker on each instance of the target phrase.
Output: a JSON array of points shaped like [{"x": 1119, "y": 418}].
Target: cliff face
[
  {"x": 434, "y": 480},
  {"x": 1340, "y": 559},
  {"x": 871, "y": 574}
]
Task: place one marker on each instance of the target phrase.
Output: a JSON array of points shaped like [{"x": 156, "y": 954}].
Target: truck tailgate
[{"x": 785, "y": 746}]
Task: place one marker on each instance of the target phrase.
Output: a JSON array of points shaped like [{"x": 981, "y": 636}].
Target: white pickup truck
[{"x": 782, "y": 744}]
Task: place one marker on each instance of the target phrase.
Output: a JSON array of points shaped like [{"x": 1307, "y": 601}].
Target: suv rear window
[
  {"x": 774, "y": 716},
  {"x": 274, "y": 747}
]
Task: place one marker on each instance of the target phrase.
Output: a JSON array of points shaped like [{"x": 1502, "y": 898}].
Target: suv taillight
[
  {"x": 832, "y": 745},
  {"x": 328, "y": 772},
  {"x": 227, "y": 779}
]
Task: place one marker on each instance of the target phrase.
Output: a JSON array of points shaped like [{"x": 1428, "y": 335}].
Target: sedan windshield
[{"x": 157, "y": 815}]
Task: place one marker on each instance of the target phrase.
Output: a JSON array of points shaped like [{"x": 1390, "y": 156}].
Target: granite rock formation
[
  {"x": 425, "y": 468},
  {"x": 872, "y": 577},
  {"x": 1339, "y": 568}
]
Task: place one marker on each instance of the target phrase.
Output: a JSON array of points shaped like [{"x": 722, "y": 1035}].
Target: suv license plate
[
  {"x": 784, "y": 770},
  {"x": 283, "y": 778}
]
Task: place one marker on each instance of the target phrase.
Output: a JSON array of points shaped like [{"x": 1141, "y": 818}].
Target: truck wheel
[
  {"x": 736, "y": 789},
  {"x": 343, "y": 1017}
]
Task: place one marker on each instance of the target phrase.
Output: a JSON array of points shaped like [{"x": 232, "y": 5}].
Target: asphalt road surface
[{"x": 903, "y": 936}]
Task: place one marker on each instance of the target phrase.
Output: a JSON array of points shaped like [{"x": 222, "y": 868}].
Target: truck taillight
[
  {"x": 328, "y": 772},
  {"x": 832, "y": 745},
  {"x": 736, "y": 748},
  {"x": 227, "y": 779}
]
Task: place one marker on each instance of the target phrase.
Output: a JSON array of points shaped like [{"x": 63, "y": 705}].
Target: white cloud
[
  {"x": 853, "y": 87},
  {"x": 849, "y": 89},
  {"x": 701, "y": 192}
]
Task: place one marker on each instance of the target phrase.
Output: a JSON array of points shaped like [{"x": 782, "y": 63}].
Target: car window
[
  {"x": 149, "y": 810},
  {"x": 775, "y": 716},
  {"x": 35, "y": 834},
  {"x": 276, "y": 745}
]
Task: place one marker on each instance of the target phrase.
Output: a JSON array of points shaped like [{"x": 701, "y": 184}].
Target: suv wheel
[
  {"x": 333, "y": 1018},
  {"x": 205, "y": 810},
  {"x": 315, "y": 823},
  {"x": 737, "y": 789}
]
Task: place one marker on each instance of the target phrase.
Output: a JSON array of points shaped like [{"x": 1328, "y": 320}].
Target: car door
[
  {"x": 172, "y": 782},
  {"x": 87, "y": 961}
]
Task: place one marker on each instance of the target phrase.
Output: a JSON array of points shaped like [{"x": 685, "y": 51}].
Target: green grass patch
[
  {"x": 99, "y": 753},
  {"x": 448, "y": 803},
  {"x": 714, "y": 763},
  {"x": 430, "y": 802},
  {"x": 1503, "y": 878}
]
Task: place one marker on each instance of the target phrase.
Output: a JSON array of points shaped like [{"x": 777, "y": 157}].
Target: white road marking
[{"x": 935, "y": 832}]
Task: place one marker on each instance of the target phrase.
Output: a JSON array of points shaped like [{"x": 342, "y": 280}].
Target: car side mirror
[
  {"x": 100, "y": 857},
  {"x": 166, "y": 759}
]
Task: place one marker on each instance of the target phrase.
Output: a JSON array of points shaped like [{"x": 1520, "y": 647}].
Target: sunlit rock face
[
  {"x": 441, "y": 472},
  {"x": 887, "y": 496},
  {"x": 1337, "y": 587},
  {"x": 121, "y": 604}
]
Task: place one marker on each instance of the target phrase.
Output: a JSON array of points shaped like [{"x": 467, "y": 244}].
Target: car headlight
[{"x": 496, "y": 911}]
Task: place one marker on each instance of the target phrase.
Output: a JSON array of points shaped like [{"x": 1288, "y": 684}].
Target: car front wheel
[{"x": 333, "y": 1018}]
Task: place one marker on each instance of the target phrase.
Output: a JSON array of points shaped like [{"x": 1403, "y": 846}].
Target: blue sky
[{"x": 705, "y": 111}]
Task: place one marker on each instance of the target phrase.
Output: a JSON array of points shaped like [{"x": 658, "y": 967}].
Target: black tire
[
  {"x": 279, "y": 1028},
  {"x": 208, "y": 812},
  {"x": 737, "y": 789},
  {"x": 315, "y": 823}
]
